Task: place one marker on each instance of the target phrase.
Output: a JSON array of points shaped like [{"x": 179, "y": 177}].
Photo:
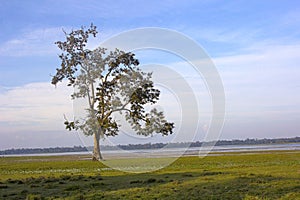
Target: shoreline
[{"x": 173, "y": 152}]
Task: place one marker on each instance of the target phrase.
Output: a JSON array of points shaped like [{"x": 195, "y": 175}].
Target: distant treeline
[
  {"x": 150, "y": 146},
  {"x": 43, "y": 150},
  {"x": 199, "y": 144}
]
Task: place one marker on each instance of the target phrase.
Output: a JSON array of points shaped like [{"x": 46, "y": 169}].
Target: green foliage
[
  {"x": 75, "y": 53},
  {"x": 111, "y": 82},
  {"x": 34, "y": 197}
]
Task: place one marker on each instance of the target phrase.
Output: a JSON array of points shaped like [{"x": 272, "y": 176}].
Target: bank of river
[{"x": 174, "y": 152}]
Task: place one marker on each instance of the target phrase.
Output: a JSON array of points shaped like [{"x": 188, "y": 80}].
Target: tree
[{"x": 111, "y": 82}]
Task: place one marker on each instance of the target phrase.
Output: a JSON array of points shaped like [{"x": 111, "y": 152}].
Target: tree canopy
[{"x": 111, "y": 82}]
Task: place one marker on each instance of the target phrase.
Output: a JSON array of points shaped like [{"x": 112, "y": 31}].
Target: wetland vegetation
[{"x": 259, "y": 175}]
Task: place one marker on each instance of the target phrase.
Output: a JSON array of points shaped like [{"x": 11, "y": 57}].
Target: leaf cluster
[{"x": 111, "y": 82}]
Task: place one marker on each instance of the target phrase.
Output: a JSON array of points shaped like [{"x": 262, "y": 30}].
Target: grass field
[{"x": 263, "y": 175}]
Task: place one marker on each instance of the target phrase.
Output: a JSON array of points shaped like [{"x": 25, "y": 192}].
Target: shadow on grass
[{"x": 200, "y": 185}]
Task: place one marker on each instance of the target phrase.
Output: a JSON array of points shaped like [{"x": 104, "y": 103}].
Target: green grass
[{"x": 263, "y": 175}]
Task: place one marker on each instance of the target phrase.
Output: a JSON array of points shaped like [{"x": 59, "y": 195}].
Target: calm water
[{"x": 179, "y": 151}]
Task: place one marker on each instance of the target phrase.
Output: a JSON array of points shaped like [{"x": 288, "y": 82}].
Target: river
[{"x": 174, "y": 152}]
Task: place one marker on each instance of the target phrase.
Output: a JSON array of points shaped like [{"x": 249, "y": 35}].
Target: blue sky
[{"x": 255, "y": 46}]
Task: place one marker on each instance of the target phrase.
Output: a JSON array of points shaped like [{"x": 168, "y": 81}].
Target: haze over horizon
[{"x": 254, "y": 45}]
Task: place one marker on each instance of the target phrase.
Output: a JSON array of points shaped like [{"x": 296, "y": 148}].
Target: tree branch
[{"x": 116, "y": 110}]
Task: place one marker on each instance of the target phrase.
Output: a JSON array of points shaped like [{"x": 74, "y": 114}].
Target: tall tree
[{"x": 111, "y": 82}]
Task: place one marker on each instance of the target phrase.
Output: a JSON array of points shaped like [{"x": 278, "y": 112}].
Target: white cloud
[
  {"x": 40, "y": 42},
  {"x": 225, "y": 35},
  {"x": 262, "y": 85},
  {"x": 38, "y": 139},
  {"x": 266, "y": 65},
  {"x": 35, "y": 106},
  {"x": 108, "y": 10},
  {"x": 35, "y": 42}
]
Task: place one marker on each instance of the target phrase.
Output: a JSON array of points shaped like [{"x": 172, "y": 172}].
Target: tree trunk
[{"x": 96, "y": 152}]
